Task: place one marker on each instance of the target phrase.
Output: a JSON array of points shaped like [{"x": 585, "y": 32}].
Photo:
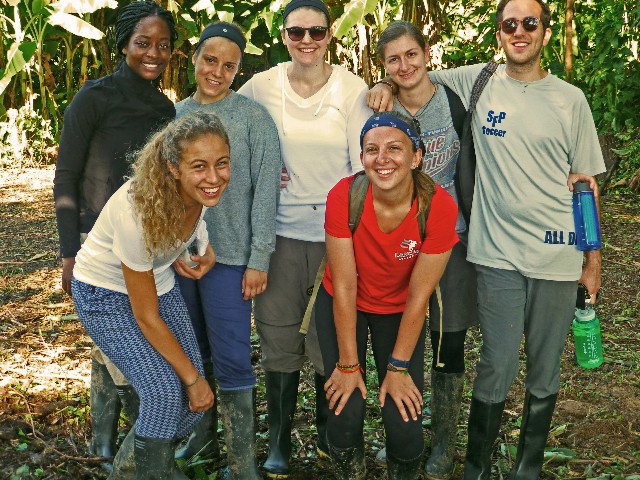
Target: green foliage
[
  {"x": 606, "y": 68},
  {"x": 630, "y": 153},
  {"x": 48, "y": 51},
  {"x": 25, "y": 139}
]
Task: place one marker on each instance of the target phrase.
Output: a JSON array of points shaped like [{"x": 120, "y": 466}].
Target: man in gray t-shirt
[{"x": 534, "y": 136}]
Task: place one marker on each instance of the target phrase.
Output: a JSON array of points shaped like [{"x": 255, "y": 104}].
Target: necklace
[{"x": 424, "y": 107}]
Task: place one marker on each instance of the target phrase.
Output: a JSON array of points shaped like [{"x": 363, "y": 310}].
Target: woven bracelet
[
  {"x": 355, "y": 368},
  {"x": 393, "y": 368},
  {"x": 194, "y": 382}
]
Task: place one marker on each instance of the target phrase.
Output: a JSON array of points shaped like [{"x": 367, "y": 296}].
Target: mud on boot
[
  {"x": 124, "y": 463},
  {"x": 446, "y": 397},
  {"x": 237, "y": 409},
  {"x": 348, "y": 463},
  {"x": 203, "y": 442},
  {"x": 154, "y": 459},
  {"x": 105, "y": 413},
  {"x": 403, "y": 469}
]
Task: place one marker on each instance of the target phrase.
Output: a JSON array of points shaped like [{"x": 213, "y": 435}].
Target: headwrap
[
  {"x": 226, "y": 30},
  {"x": 317, "y": 4},
  {"x": 387, "y": 120}
]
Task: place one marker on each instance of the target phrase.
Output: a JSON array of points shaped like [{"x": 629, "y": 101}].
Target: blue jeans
[{"x": 221, "y": 319}]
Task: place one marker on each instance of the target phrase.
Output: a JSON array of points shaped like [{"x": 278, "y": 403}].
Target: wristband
[
  {"x": 388, "y": 84},
  {"x": 349, "y": 368},
  {"x": 393, "y": 368},
  {"x": 398, "y": 363},
  {"x": 194, "y": 382}
]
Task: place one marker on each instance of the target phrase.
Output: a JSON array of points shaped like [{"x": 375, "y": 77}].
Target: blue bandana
[{"x": 387, "y": 120}]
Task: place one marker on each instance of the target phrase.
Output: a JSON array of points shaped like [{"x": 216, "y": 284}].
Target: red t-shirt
[{"x": 384, "y": 261}]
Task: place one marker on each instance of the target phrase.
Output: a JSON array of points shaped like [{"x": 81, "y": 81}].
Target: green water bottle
[{"x": 586, "y": 334}]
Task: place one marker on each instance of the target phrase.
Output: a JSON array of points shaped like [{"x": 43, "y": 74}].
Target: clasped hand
[
  {"x": 200, "y": 396},
  {"x": 205, "y": 263}
]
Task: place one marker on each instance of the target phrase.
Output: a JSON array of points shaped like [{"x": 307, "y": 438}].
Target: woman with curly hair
[
  {"x": 107, "y": 119},
  {"x": 124, "y": 288}
]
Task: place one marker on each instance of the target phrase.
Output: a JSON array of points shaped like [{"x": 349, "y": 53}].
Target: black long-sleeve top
[{"x": 107, "y": 119}]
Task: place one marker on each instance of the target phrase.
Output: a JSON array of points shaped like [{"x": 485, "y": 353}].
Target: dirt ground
[{"x": 45, "y": 366}]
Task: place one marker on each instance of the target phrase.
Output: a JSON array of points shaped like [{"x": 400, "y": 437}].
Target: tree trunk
[{"x": 568, "y": 48}]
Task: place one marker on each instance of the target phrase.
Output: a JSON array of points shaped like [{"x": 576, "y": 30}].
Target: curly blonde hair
[{"x": 154, "y": 190}]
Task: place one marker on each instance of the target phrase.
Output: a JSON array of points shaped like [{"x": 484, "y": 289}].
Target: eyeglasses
[
  {"x": 316, "y": 33},
  {"x": 510, "y": 25}
]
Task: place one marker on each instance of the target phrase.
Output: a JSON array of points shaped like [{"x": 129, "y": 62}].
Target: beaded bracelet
[
  {"x": 194, "y": 382},
  {"x": 393, "y": 368},
  {"x": 388, "y": 84},
  {"x": 349, "y": 368},
  {"x": 398, "y": 363}
]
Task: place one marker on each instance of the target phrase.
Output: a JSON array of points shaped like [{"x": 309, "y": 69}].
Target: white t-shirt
[
  {"x": 319, "y": 142},
  {"x": 528, "y": 137},
  {"x": 117, "y": 238}
]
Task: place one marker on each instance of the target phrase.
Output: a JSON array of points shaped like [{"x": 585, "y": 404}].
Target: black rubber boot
[
  {"x": 534, "y": 430},
  {"x": 403, "y": 469},
  {"x": 484, "y": 426},
  {"x": 282, "y": 396},
  {"x": 446, "y": 397},
  {"x": 237, "y": 410},
  {"x": 322, "y": 414},
  {"x": 348, "y": 463},
  {"x": 130, "y": 402},
  {"x": 154, "y": 459},
  {"x": 105, "y": 411},
  {"x": 124, "y": 463},
  {"x": 203, "y": 442}
]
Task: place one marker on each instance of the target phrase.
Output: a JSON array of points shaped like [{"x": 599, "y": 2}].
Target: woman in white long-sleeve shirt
[{"x": 319, "y": 110}]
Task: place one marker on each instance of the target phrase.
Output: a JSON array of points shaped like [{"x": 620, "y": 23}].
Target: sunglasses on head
[
  {"x": 510, "y": 25},
  {"x": 316, "y": 33}
]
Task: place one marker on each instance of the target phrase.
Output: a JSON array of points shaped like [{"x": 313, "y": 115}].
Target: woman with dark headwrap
[
  {"x": 109, "y": 118},
  {"x": 242, "y": 231},
  {"x": 381, "y": 271}
]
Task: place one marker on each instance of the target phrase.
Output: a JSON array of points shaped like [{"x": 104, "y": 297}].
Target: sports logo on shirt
[
  {"x": 410, "y": 246},
  {"x": 494, "y": 118}
]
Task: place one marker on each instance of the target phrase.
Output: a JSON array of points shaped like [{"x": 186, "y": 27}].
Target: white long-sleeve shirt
[{"x": 319, "y": 141}]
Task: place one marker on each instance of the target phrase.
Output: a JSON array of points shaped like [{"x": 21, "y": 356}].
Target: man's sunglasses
[
  {"x": 510, "y": 25},
  {"x": 316, "y": 33}
]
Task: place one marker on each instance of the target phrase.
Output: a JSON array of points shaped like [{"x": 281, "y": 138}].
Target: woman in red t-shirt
[{"x": 378, "y": 280}]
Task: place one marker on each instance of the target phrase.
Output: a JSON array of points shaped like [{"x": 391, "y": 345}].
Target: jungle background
[{"x": 50, "y": 48}]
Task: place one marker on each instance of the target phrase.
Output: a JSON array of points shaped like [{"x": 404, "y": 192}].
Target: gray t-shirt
[
  {"x": 528, "y": 137},
  {"x": 441, "y": 142},
  {"x": 242, "y": 227}
]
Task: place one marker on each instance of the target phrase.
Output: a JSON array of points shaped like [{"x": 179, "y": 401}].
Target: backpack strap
[
  {"x": 466, "y": 166},
  {"x": 458, "y": 112},
  {"x": 481, "y": 82},
  {"x": 357, "y": 194}
]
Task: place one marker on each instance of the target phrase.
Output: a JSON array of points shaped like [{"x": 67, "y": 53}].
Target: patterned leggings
[{"x": 108, "y": 319}]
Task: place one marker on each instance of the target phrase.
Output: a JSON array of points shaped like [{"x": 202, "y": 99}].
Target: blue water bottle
[
  {"x": 586, "y": 334},
  {"x": 585, "y": 216}
]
